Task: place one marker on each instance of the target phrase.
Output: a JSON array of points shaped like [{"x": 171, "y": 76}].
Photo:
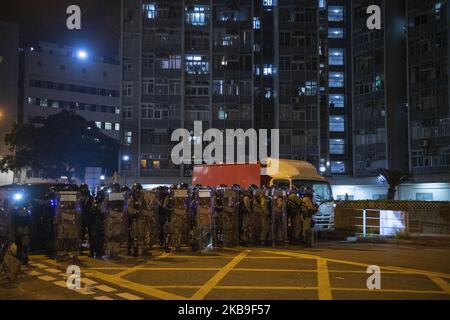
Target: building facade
[
  {"x": 9, "y": 72},
  {"x": 56, "y": 78},
  {"x": 428, "y": 90}
]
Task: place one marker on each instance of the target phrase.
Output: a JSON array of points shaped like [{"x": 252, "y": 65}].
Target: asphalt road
[{"x": 332, "y": 270}]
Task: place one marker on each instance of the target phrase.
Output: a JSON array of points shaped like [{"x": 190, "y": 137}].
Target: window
[
  {"x": 147, "y": 61},
  {"x": 218, "y": 87},
  {"x": 336, "y": 80},
  {"x": 337, "y": 146},
  {"x": 337, "y": 101},
  {"x": 117, "y": 126},
  {"x": 337, "y": 167},
  {"x": 98, "y": 124},
  {"x": 161, "y": 86},
  {"x": 147, "y": 111},
  {"x": 127, "y": 113},
  {"x": 43, "y": 103},
  {"x": 336, "y": 57},
  {"x": 337, "y": 124},
  {"x": 197, "y": 15},
  {"x": 424, "y": 196},
  {"x": 171, "y": 62},
  {"x": 196, "y": 64},
  {"x": 256, "y": 23},
  {"x": 149, "y": 10},
  {"x": 267, "y": 69},
  {"x": 335, "y": 13},
  {"x": 128, "y": 137},
  {"x": 128, "y": 89},
  {"x": 336, "y": 33},
  {"x": 108, "y": 126},
  {"x": 174, "y": 87},
  {"x": 147, "y": 86}
]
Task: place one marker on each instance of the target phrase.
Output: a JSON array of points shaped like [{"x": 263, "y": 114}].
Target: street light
[
  {"x": 125, "y": 159},
  {"x": 82, "y": 54}
]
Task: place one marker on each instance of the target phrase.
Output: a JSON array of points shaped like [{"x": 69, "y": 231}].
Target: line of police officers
[{"x": 119, "y": 222}]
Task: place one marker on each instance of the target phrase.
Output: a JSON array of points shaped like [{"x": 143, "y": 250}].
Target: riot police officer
[
  {"x": 178, "y": 220},
  {"x": 245, "y": 217},
  {"x": 21, "y": 219},
  {"x": 261, "y": 216},
  {"x": 218, "y": 216},
  {"x": 309, "y": 208},
  {"x": 87, "y": 202},
  {"x": 294, "y": 205},
  {"x": 96, "y": 225},
  {"x": 114, "y": 223},
  {"x": 135, "y": 209}
]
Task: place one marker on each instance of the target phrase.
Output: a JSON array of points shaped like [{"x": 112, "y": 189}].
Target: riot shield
[
  {"x": 204, "y": 228},
  {"x": 150, "y": 219},
  {"x": 230, "y": 221},
  {"x": 246, "y": 218},
  {"x": 260, "y": 216},
  {"x": 279, "y": 217},
  {"x": 115, "y": 245},
  {"x": 179, "y": 219},
  {"x": 67, "y": 225}
]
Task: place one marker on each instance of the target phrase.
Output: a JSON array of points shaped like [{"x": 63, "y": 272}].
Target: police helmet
[
  {"x": 115, "y": 187},
  {"x": 100, "y": 196},
  {"x": 125, "y": 189},
  {"x": 137, "y": 187}
]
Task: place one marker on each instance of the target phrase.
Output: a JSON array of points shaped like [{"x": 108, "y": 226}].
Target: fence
[{"x": 387, "y": 218}]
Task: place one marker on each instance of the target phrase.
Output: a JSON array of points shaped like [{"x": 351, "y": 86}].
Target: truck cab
[{"x": 287, "y": 174}]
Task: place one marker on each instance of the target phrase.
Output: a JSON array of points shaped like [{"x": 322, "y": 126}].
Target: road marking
[
  {"x": 52, "y": 270},
  {"x": 105, "y": 288},
  {"x": 389, "y": 290},
  {"x": 62, "y": 284},
  {"x": 88, "y": 281},
  {"x": 39, "y": 265},
  {"x": 444, "y": 285},
  {"x": 288, "y": 288},
  {"x": 46, "y": 278},
  {"x": 129, "y": 296},
  {"x": 208, "y": 286},
  {"x": 323, "y": 280},
  {"x": 103, "y": 298},
  {"x": 85, "y": 291},
  {"x": 150, "y": 291},
  {"x": 33, "y": 273},
  {"x": 276, "y": 270}
]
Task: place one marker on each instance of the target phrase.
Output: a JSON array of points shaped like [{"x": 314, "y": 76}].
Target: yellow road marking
[
  {"x": 423, "y": 272},
  {"x": 129, "y": 284},
  {"x": 441, "y": 283},
  {"x": 208, "y": 286},
  {"x": 103, "y": 298},
  {"x": 62, "y": 284},
  {"x": 46, "y": 278},
  {"x": 129, "y": 296},
  {"x": 136, "y": 268},
  {"x": 52, "y": 270},
  {"x": 33, "y": 273},
  {"x": 105, "y": 288},
  {"x": 323, "y": 280},
  {"x": 389, "y": 290},
  {"x": 287, "y": 288}
]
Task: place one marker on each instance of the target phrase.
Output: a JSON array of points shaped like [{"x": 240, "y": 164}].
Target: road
[{"x": 332, "y": 270}]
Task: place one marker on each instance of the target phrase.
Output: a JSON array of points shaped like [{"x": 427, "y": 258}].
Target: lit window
[
  {"x": 98, "y": 124},
  {"x": 128, "y": 137},
  {"x": 337, "y": 146},
  {"x": 267, "y": 3},
  {"x": 218, "y": 87},
  {"x": 149, "y": 10},
  {"x": 267, "y": 70},
  {"x": 256, "y": 23},
  {"x": 336, "y": 57},
  {"x": 196, "y": 64},
  {"x": 322, "y": 4},
  {"x": 43, "y": 103},
  {"x": 268, "y": 93},
  {"x": 337, "y": 101},
  {"x": 117, "y": 126},
  {"x": 197, "y": 15},
  {"x": 335, "y": 13},
  {"x": 337, "y": 124},
  {"x": 336, "y": 33},
  {"x": 108, "y": 126},
  {"x": 337, "y": 167},
  {"x": 55, "y": 104},
  {"x": 222, "y": 114},
  {"x": 336, "y": 80}
]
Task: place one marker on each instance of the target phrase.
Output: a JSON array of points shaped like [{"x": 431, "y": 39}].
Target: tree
[
  {"x": 63, "y": 146},
  {"x": 393, "y": 178}
]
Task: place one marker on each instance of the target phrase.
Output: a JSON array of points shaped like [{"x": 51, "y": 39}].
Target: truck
[{"x": 280, "y": 173}]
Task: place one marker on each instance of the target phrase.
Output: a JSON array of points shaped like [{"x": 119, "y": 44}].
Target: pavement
[{"x": 330, "y": 271}]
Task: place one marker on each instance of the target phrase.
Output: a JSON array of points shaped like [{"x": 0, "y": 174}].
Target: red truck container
[{"x": 228, "y": 174}]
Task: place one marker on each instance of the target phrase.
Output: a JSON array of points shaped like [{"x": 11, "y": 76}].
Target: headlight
[{"x": 18, "y": 196}]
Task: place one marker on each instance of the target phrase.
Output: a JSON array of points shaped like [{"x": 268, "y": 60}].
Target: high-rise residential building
[
  {"x": 379, "y": 88},
  {"x": 9, "y": 72},
  {"x": 428, "y": 89},
  {"x": 231, "y": 64},
  {"x": 57, "y": 77}
]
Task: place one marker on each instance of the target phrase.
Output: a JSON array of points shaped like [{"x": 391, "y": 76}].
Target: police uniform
[
  {"x": 114, "y": 232},
  {"x": 96, "y": 226},
  {"x": 179, "y": 218},
  {"x": 278, "y": 217},
  {"x": 135, "y": 209},
  {"x": 308, "y": 210},
  {"x": 295, "y": 217},
  {"x": 246, "y": 221}
]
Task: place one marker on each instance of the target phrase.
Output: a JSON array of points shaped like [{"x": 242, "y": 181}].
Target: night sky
[{"x": 45, "y": 20}]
